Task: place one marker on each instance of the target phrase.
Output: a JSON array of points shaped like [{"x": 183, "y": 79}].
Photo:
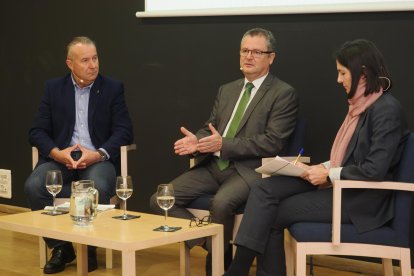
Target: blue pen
[{"x": 299, "y": 155}]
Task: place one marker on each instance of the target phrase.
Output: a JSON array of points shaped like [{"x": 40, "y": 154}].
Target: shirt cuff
[
  {"x": 106, "y": 153},
  {"x": 327, "y": 164},
  {"x": 335, "y": 174}
]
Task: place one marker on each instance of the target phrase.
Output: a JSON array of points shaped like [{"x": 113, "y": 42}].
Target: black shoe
[
  {"x": 92, "y": 259},
  {"x": 61, "y": 255}
]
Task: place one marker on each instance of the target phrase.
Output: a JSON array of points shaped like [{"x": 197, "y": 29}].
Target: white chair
[
  {"x": 390, "y": 241},
  {"x": 43, "y": 250}
]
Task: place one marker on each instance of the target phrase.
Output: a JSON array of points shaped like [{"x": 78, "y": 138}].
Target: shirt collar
[
  {"x": 77, "y": 86},
  {"x": 257, "y": 82}
]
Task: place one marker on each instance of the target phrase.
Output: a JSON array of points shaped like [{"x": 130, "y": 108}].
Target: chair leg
[
  {"x": 42, "y": 252},
  {"x": 234, "y": 250},
  {"x": 300, "y": 261},
  {"x": 289, "y": 254},
  {"x": 387, "y": 267},
  {"x": 184, "y": 260},
  {"x": 405, "y": 262}
]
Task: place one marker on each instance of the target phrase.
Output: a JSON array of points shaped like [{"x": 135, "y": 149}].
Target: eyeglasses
[
  {"x": 255, "y": 53},
  {"x": 195, "y": 221}
]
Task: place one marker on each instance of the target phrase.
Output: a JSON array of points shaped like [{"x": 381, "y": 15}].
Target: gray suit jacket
[
  {"x": 373, "y": 154},
  {"x": 265, "y": 128}
]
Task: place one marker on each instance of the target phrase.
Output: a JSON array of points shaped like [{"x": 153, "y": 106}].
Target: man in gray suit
[{"x": 252, "y": 118}]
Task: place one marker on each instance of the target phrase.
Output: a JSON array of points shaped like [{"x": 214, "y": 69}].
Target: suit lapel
[
  {"x": 354, "y": 138},
  {"x": 259, "y": 95},
  {"x": 229, "y": 106},
  {"x": 68, "y": 97},
  {"x": 93, "y": 101}
]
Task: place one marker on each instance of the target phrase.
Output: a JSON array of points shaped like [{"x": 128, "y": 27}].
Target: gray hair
[
  {"x": 77, "y": 40},
  {"x": 271, "y": 40}
]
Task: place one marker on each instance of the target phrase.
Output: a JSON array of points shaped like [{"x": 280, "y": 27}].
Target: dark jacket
[
  {"x": 373, "y": 154},
  {"x": 109, "y": 123}
]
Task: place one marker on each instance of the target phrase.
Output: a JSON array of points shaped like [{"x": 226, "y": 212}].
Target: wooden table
[{"x": 126, "y": 236}]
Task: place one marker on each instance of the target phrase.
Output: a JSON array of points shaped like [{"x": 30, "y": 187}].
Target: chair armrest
[
  {"x": 386, "y": 185},
  {"x": 129, "y": 147},
  {"x": 124, "y": 158},
  {"x": 338, "y": 185}
]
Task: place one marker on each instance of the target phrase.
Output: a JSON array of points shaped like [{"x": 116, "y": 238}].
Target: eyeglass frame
[
  {"x": 195, "y": 221},
  {"x": 255, "y": 53}
]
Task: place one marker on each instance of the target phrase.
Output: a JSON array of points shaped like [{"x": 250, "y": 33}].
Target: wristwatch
[{"x": 102, "y": 154}]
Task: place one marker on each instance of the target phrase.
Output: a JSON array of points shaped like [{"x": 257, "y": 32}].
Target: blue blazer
[{"x": 109, "y": 123}]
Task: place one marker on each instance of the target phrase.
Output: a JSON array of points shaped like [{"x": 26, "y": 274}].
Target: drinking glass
[
  {"x": 124, "y": 191},
  {"x": 54, "y": 184},
  {"x": 166, "y": 200}
]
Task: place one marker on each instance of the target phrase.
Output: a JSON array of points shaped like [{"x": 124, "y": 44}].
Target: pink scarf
[{"x": 357, "y": 105}]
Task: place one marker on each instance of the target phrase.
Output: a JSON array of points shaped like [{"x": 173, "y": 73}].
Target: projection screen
[{"x": 178, "y": 8}]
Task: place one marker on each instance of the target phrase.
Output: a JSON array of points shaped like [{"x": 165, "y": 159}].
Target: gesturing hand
[
  {"x": 211, "y": 143},
  {"x": 187, "y": 144}
]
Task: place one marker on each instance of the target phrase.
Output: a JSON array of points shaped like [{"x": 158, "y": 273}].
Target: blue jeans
[{"x": 102, "y": 173}]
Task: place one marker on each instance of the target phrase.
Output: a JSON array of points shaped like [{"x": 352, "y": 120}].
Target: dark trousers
[
  {"x": 274, "y": 204},
  {"x": 102, "y": 173},
  {"x": 229, "y": 190}
]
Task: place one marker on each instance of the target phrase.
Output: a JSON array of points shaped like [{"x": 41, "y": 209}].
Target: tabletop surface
[{"x": 106, "y": 231}]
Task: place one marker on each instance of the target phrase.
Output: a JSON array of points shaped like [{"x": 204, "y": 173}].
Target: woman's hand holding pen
[{"x": 316, "y": 174}]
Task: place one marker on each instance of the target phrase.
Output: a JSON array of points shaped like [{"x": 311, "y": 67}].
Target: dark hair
[
  {"x": 362, "y": 57},
  {"x": 270, "y": 39}
]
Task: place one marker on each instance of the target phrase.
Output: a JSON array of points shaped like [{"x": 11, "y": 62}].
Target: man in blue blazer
[{"x": 80, "y": 126}]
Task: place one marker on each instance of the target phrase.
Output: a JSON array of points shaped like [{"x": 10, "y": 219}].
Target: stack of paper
[{"x": 280, "y": 166}]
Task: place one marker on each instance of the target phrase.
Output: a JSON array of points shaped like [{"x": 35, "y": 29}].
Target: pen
[{"x": 297, "y": 158}]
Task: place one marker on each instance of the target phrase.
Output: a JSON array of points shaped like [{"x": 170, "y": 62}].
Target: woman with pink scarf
[{"x": 368, "y": 146}]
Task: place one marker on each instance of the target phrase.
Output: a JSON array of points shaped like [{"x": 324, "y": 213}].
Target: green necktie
[{"x": 234, "y": 124}]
